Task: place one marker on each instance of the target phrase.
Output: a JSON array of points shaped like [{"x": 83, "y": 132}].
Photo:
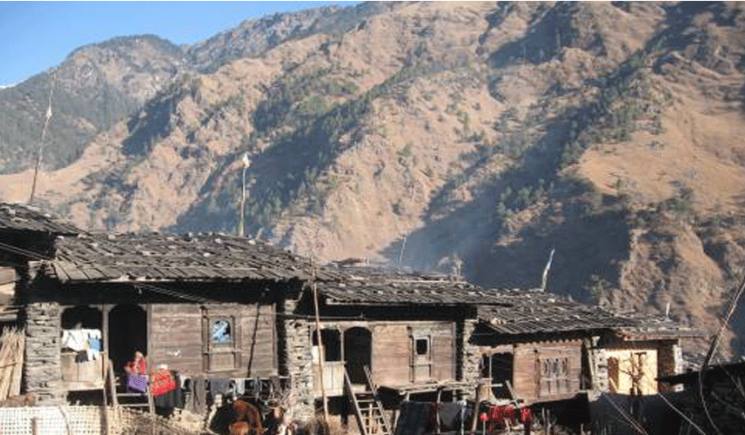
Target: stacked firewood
[{"x": 11, "y": 362}]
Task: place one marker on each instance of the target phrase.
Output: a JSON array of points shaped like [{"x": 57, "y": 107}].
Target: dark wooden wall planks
[
  {"x": 178, "y": 337},
  {"x": 526, "y": 376}
]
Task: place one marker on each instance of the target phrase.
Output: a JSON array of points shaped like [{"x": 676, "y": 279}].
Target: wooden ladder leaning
[
  {"x": 126, "y": 399},
  {"x": 368, "y": 410}
]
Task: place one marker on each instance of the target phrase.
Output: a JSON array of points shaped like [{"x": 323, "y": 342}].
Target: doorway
[
  {"x": 499, "y": 367},
  {"x": 127, "y": 334},
  {"x": 357, "y": 353}
]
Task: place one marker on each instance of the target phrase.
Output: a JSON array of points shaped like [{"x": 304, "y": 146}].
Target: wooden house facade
[
  {"x": 221, "y": 306},
  {"x": 215, "y": 305},
  {"x": 550, "y": 348},
  {"x": 211, "y": 305},
  {"x": 408, "y": 329}
]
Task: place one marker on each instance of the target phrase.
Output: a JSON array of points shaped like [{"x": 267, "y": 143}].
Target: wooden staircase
[{"x": 368, "y": 409}]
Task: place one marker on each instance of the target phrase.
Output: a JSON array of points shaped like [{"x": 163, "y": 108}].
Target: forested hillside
[{"x": 467, "y": 138}]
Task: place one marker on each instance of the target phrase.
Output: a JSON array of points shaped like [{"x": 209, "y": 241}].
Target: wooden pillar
[
  {"x": 148, "y": 323},
  {"x": 105, "y": 330}
]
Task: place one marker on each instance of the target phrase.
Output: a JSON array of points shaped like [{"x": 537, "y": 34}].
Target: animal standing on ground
[{"x": 248, "y": 414}]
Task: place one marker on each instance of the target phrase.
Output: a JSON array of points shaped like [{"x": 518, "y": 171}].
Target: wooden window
[
  {"x": 422, "y": 346},
  {"x": 221, "y": 331},
  {"x": 221, "y": 335},
  {"x": 554, "y": 376},
  {"x": 421, "y": 358}
]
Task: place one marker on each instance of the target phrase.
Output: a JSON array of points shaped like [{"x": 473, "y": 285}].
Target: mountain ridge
[{"x": 468, "y": 138}]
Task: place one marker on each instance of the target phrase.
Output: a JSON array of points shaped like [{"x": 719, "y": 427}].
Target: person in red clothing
[{"x": 138, "y": 366}]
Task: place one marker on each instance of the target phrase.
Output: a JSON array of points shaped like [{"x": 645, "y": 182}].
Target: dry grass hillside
[{"x": 466, "y": 137}]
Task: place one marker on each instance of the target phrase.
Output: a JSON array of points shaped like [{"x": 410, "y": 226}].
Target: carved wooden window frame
[
  {"x": 554, "y": 376},
  {"x": 418, "y": 361},
  {"x": 212, "y": 351}
]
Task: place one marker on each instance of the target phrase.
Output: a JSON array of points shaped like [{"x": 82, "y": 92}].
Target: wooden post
[
  {"x": 103, "y": 390},
  {"x": 475, "y": 420},
  {"x": 438, "y": 429},
  {"x": 321, "y": 353}
]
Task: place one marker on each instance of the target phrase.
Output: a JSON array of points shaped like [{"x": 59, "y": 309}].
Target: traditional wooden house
[
  {"x": 203, "y": 304},
  {"x": 26, "y": 234},
  {"x": 550, "y": 348},
  {"x": 400, "y": 335},
  {"x": 636, "y": 356},
  {"x": 224, "y": 307}
]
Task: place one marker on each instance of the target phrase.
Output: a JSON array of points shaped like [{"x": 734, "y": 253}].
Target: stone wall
[
  {"x": 42, "y": 372},
  {"x": 469, "y": 354},
  {"x": 296, "y": 361},
  {"x": 670, "y": 362},
  {"x": 599, "y": 360}
]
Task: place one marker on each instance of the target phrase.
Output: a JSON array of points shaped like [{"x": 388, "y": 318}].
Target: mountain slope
[
  {"x": 95, "y": 87},
  {"x": 470, "y": 138}
]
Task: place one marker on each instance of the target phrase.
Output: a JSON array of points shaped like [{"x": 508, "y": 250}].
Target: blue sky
[{"x": 36, "y": 36}]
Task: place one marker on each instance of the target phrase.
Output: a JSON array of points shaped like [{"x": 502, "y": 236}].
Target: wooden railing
[
  {"x": 86, "y": 375},
  {"x": 333, "y": 378}
]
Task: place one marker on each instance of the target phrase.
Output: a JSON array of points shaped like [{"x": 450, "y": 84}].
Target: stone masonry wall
[
  {"x": 669, "y": 362},
  {"x": 296, "y": 361},
  {"x": 599, "y": 359},
  {"x": 469, "y": 355},
  {"x": 42, "y": 372}
]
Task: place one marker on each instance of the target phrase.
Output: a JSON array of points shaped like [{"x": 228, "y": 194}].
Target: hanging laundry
[
  {"x": 238, "y": 386},
  {"x": 83, "y": 340},
  {"x": 94, "y": 343},
  {"x": 75, "y": 339},
  {"x": 184, "y": 381},
  {"x": 416, "y": 418},
  {"x": 451, "y": 415},
  {"x": 219, "y": 386},
  {"x": 500, "y": 415},
  {"x": 526, "y": 416},
  {"x": 199, "y": 395}
]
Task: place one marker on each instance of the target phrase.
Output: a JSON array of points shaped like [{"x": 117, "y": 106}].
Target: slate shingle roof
[
  {"x": 655, "y": 328},
  {"x": 534, "y": 311},
  {"x": 163, "y": 257},
  {"x": 523, "y": 312},
  {"x": 389, "y": 286},
  {"x": 19, "y": 217},
  {"x": 404, "y": 292},
  {"x": 154, "y": 257}
]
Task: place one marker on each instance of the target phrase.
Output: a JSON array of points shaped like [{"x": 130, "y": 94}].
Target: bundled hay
[{"x": 11, "y": 362}]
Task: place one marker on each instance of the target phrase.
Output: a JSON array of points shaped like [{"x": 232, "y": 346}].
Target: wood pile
[{"x": 11, "y": 362}]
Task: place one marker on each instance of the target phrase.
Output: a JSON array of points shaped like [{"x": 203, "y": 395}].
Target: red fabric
[
  {"x": 498, "y": 415},
  {"x": 526, "y": 416},
  {"x": 509, "y": 413},
  {"x": 162, "y": 383},
  {"x": 140, "y": 369},
  {"x": 495, "y": 414}
]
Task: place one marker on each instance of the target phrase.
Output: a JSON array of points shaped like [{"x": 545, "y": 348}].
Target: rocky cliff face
[{"x": 463, "y": 137}]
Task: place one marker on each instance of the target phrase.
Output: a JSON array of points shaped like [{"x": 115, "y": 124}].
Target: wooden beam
[{"x": 321, "y": 353}]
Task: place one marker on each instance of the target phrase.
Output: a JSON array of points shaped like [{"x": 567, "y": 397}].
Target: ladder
[
  {"x": 124, "y": 398},
  {"x": 368, "y": 410}
]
